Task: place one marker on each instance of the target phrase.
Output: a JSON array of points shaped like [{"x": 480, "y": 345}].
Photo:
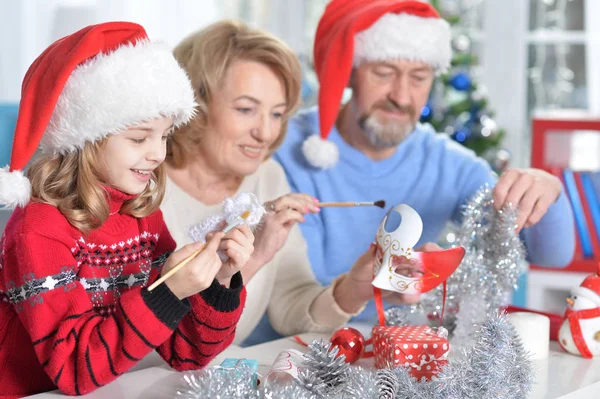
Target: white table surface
[{"x": 561, "y": 376}]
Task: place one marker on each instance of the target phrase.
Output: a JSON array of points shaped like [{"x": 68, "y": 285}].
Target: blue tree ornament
[
  {"x": 461, "y": 81},
  {"x": 426, "y": 113},
  {"x": 461, "y": 135}
]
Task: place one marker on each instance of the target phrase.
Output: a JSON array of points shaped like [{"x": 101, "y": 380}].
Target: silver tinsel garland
[
  {"x": 396, "y": 316},
  {"x": 489, "y": 272},
  {"x": 219, "y": 383},
  {"x": 496, "y": 366}
]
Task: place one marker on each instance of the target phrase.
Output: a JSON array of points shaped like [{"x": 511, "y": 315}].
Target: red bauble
[{"x": 350, "y": 342}]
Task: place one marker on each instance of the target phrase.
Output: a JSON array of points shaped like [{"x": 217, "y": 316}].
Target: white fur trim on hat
[
  {"x": 111, "y": 92},
  {"x": 405, "y": 36},
  {"x": 320, "y": 153},
  {"x": 15, "y": 188},
  {"x": 587, "y": 293}
]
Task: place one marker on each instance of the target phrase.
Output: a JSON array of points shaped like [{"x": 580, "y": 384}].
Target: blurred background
[{"x": 524, "y": 89}]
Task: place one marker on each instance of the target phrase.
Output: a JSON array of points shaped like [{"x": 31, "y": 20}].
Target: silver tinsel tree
[
  {"x": 472, "y": 309},
  {"x": 495, "y": 366}
]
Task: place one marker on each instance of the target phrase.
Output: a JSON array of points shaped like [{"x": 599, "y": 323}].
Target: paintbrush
[
  {"x": 380, "y": 204},
  {"x": 236, "y": 222}
]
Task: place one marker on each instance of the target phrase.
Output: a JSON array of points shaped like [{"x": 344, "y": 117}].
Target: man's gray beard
[{"x": 387, "y": 135}]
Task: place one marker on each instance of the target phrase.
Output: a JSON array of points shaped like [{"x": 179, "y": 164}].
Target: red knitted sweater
[{"x": 74, "y": 310}]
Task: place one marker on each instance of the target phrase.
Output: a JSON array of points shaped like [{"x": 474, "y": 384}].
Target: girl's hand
[
  {"x": 238, "y": 245},
  {"x": 199, "y": 273}
]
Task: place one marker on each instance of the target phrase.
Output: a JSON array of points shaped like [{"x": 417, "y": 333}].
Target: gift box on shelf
[{"x": 420, "y": 349}]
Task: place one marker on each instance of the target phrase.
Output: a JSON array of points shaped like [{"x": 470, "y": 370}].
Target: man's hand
[{"x": 532, "y": 191}]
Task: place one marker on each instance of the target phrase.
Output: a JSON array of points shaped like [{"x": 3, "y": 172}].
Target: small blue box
[
  {"x": 234, "y": 363},
  {"x": 8, "y": 121}
]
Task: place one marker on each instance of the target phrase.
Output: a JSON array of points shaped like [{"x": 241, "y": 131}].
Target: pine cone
[
  {"x": 324, "y": 374},
  {"x": 387, "y": 383}
]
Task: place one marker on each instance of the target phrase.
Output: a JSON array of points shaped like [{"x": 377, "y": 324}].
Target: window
[{"x": 556, "y": 53}]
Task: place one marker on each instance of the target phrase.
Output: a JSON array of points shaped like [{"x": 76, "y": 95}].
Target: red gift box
[{"x": 418, "y": 348}]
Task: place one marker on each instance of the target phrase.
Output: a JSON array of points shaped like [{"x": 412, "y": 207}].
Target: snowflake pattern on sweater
[{"x": 119, "y": 266}]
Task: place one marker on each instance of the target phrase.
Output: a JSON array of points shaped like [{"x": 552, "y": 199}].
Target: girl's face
[{"x": 132, "y": 155}]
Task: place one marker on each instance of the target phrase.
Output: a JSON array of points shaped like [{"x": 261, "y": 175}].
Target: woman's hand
[{"x": 282, "y": 214}]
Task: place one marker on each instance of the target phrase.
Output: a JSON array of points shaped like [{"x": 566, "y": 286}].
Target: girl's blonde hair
[
  {"x": 72, "y": 183},
  {"x": 207, "y": 55}
]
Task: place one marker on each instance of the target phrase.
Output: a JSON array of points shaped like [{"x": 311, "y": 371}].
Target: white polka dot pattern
[{"x": 417, "y": 348}]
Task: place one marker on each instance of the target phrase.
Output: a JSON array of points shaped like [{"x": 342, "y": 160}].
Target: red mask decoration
[{"x": 398, "y": 267}]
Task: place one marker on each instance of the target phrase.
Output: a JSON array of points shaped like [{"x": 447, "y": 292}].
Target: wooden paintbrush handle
[
  {"x": 184, "y": 262},
  {"x": 174, "y": 270}
]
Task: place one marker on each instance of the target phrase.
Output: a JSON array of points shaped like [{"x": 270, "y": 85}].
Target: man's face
[{"x": 387, "y": 98}]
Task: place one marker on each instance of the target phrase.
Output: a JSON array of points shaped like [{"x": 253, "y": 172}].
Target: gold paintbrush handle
[
  {"x": 184, "y": 262},
  {"x": 174, "y": 270}
]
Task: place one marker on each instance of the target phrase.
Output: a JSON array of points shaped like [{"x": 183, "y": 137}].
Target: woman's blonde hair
[
  {"x": 72, "y": 183},
  {"x": 207, "y": 55}
]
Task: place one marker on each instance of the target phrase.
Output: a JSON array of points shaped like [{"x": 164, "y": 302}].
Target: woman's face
[{"x": 245, "y": 118}]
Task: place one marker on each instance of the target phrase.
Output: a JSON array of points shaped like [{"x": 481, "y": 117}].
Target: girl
[{"x": 75, "y": 260}]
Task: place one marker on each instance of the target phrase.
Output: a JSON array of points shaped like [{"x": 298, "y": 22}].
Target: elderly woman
[{"x": 247, "y": 85}]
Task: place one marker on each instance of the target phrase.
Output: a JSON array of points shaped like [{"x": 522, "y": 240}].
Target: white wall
[
  {"x": 504, "y": 68},
  {"x": 27, "y": 27}
]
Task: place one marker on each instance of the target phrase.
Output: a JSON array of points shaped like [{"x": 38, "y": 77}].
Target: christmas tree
[{"x": 458, "y": 105}]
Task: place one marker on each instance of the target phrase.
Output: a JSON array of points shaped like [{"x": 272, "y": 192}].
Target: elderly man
[{"x": 388, "y": 52}]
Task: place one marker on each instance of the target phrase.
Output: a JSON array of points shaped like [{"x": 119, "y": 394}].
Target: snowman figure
[
  {"x": 400, "y": 268},
  {"x": 579, "y": 332}
]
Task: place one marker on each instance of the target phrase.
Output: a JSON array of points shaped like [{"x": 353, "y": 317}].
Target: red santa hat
[
  {"x": 352, "y": 32},
  {"x": 589, "y": 288},
  {"x": 95, "y": 82}
]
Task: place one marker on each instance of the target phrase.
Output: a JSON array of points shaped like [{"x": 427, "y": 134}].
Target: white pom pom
[
  {"x": 15, "y": 188},
  {"x": 320, "y": 153}
]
